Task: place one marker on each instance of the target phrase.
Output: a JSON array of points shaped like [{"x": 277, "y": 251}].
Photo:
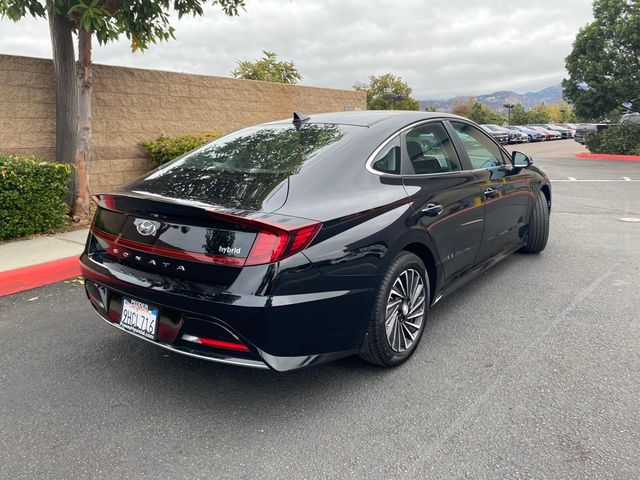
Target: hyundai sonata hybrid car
[{"x": 287, "y": 244}]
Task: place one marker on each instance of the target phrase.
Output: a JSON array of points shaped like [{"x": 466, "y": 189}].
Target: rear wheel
[
  {"x": 538, "y": 229},
  {"x": 399, "y": 312}
]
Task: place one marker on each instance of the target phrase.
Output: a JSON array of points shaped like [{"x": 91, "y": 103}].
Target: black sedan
[{"x": 291, "y": 243}]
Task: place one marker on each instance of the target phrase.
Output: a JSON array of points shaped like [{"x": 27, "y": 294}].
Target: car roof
[{"x": 368, "y": 118}]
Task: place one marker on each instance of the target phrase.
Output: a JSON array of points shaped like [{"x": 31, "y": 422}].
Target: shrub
[
  {"x": 165, "y": 149},
  {"x": 32, "y": 196},
  {"x": 617, "y": 139}
]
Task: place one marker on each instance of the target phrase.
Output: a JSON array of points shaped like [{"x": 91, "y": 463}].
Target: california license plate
[{"x": 138, "y": 318}]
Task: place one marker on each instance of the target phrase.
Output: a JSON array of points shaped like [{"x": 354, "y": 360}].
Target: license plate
[{"x": 138, "y": 318}]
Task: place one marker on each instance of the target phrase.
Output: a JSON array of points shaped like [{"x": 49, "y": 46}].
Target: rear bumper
[
  {"x": 280, "y": 332},
  {"x": 213, "y": 357}
]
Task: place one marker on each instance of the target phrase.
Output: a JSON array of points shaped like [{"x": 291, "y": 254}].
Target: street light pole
[
  {"x": 395, "y": 97},
  {"x": 508, "y": 106}
]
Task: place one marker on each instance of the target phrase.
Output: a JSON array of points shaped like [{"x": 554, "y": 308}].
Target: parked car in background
[
  {"x": 514, "y": 136},
  {"x": 550, "y": 134},
  {"x": 532, "y": 135},
  {"x": 564, "y": 132},
  {"x": 498, "y": 133},
  {"x": 630, "y": 118},
  {"x": 517, "y": 137},
  {"x": 583, "y": 130},
  {"x": 569, "y": 126}
]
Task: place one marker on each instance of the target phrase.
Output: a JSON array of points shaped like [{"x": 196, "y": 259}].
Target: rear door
[
  {"x": 446, "y": 197},
  {"x": 506, "y": 191}
]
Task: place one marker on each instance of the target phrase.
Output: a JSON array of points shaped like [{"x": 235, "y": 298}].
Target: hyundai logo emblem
[{"x": 146, "y": 228}]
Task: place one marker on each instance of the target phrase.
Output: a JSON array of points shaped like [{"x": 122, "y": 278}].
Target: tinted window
[
  {"x": 388, "y": 160},
  {"x": 430, "y": 149},
  {"x": 483, "y": 153},
  {"x": 243, "y": 168}
]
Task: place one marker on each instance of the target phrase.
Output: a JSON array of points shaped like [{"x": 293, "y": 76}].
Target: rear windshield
[{"x": 241, "y": 169}]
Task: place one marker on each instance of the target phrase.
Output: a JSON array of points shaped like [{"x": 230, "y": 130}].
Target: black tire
[
  {"x": 538, "y": 229},
  {"x": 378, "y": 349}
]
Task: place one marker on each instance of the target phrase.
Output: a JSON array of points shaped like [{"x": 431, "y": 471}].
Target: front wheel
[
  {"x": 399, "y": 312},
  {"x": 538, "y": 229}
]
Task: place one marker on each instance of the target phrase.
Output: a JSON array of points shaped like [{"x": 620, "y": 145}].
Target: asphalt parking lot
[{"x": 530, "y": 371}]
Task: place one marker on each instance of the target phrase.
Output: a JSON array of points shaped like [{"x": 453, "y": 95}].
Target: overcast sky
[{"x": 441, "y": 48}]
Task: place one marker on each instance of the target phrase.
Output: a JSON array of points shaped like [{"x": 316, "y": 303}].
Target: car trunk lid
[{"x": 192, "y": 240}]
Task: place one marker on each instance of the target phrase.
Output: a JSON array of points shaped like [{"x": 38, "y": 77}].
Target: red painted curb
[
  {"x": 605, "y": 156},
  {"x": 26, "y": 278}
]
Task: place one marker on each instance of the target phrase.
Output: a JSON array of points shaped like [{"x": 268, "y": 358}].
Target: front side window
[
  {"x": 482, "y": 151},
  {"x": 430, "y": 150}
]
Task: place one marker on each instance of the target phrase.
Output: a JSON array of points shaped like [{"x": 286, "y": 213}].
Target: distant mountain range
[{"x": 496, "y": 100}]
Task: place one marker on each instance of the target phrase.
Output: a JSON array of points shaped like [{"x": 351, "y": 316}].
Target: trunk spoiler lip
[{"x": 142, "y": 195}]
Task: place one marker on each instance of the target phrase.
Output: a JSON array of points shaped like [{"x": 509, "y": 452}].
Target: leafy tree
[
  {"x": 482, "y": 114},
  {"x": 430, "y": 108},
  {"x": 476, "y": 111},
  {"x": 268, "y": 69},
  {"x": 558, "y": 112},
  {"x": 463, "y": 107},
  {"x": 143, "y": 22},
  {"x": 519, "y": 115},
  {"x": 561, "y": 112},
  {"x": 384, "y": 85},
  {"x": 604, "y": 66},
  {"x": 539, "y": 114}
]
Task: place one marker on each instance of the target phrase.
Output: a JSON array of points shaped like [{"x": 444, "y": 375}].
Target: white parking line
[
  {"x": 572, "y": 179},
  {"x": 626, "y": 179}
]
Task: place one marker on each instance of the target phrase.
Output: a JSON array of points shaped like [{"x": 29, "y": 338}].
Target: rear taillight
[
  {"x": 275, "y": 239},
  {"x": 276, "y": 243}
]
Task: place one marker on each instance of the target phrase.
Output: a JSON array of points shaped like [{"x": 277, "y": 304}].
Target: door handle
[
  {"x": 432, "y": 210},
  {"x": 490, "y": 193}
]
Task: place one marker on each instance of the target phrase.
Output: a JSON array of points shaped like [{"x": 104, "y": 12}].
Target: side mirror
[{"x": 521, "y": 160}]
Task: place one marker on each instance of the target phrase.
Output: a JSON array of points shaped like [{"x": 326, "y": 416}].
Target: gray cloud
[{"x": 441, "y": 48}]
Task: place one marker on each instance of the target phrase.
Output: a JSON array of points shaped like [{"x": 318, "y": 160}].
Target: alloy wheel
[{"x": 405, "y": 310}]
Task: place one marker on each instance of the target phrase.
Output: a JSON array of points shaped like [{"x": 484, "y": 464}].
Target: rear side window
[
  {"x": 388, "y": 160},
  {"x": 430, "y": 150}
]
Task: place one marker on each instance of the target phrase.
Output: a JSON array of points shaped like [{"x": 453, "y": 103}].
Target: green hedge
[
  {"x": 617, "y": 140},
  {"x": 32, "y": 196},
  {"x": 165, "y": 149}
]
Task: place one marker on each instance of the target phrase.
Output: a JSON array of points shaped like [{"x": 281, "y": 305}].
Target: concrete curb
[
  {"x": 604, "y": 156},
  {"x": 26, "y": 278}
]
